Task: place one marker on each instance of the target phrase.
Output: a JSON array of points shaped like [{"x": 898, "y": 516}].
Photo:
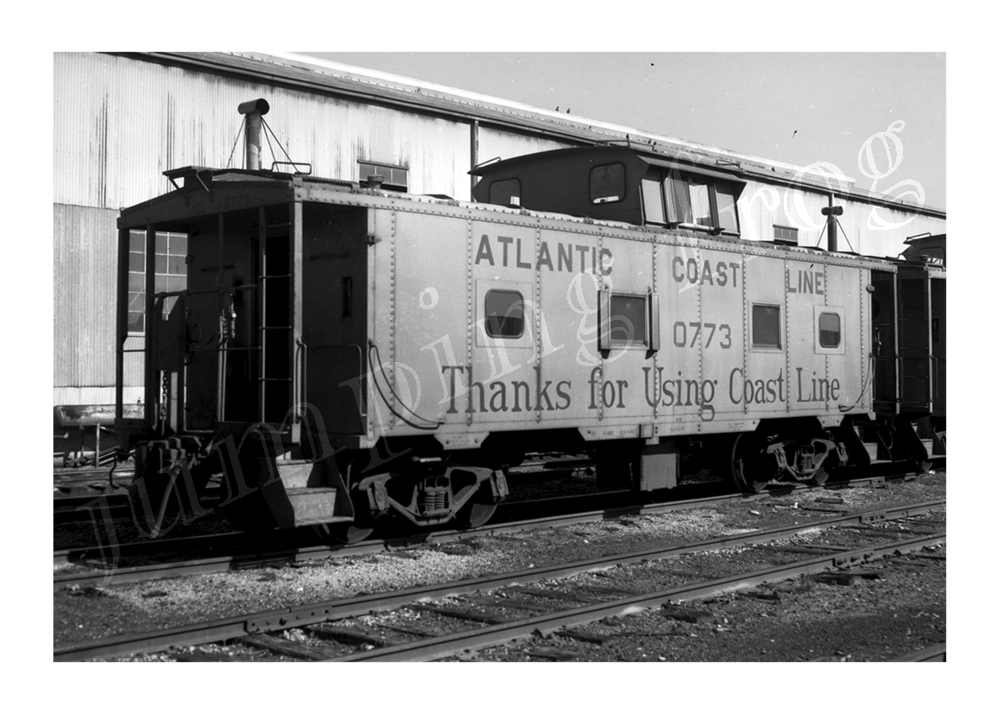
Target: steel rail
[
  {"x": 284, "y": 555},
  {"x": 935, "y": 653},
  {"x": 286, "y": 552},
  {"x": 217, "y": 564},
  {"x": 71, "y": 555},
  {"x": 220, "y": 564},
  {"x": 311, "y": 613},
  {"x": 445, "y": 645}
]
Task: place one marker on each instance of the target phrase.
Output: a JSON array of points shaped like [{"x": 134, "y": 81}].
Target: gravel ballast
[{"x": 871, "y": 619}]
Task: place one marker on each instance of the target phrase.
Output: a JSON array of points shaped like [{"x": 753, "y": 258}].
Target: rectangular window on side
[
  {"x": 652, "y": 201},
  {"x": 628, "y": 320},
  {"x": 607, "y": 183},
  {"x": 765, "y": 321},
  {"x": 504, "y": 314},
  {"x": 829, "y": 330}
]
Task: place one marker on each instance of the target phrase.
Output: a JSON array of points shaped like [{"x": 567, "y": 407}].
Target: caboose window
[
  {"x": 704, "y": 201},
  {"x": 829, "y": 329},
  {"x": 701, "y": 204},
  {"x": 506, "y": 192},
  {"x": 766, "y": 326},
  {"x": 607, "y": 183},
  {"x": 628, "y": 320},
  {"x": 652, "y": 201},
  {"x": 504, "y": 314},
  {"x": 725, "y": 200}
]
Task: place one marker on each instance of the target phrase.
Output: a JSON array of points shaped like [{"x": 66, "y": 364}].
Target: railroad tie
[
  {"x": 280, "y": 646},
  {"x": 349, "y": 635},
  {"x": 460, "y": 614}
]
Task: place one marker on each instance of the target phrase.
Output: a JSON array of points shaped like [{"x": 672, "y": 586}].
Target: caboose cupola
[{"x": 616, "y": 183}]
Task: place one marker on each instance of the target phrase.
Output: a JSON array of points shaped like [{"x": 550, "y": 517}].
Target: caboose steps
[
  {"x": 314, "y": 505},
  {"x": 295, "y": 474}
]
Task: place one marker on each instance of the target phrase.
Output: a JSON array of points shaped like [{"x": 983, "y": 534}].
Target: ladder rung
[
  {"x": 274, "y": 327},
  {"x": 272, "y": 277},
  {"x": 274, "y": 379}
]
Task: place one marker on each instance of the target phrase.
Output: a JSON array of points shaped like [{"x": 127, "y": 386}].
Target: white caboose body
[{"x": 396, "y": 353}]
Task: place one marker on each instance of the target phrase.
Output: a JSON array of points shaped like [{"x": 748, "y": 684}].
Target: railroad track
[
  {"x": 509, "y": 590},
  {"x": 930, "y": 654},
  {"x": 113, "y": 504},
  {"x": 288, "y": 551}
]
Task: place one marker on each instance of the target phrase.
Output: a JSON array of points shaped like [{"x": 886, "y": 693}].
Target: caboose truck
[{"x": 343, "y": 352}]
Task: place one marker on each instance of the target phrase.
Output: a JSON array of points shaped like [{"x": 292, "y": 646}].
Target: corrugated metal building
[{"x": 122, "y": 119}]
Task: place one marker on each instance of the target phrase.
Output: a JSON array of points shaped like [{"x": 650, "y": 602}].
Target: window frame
[
  {"x": 840, "y": 312},
  {"x": 486, "y": 314},
  {"x": 161, "y": 280},
  {"x": 785, "y": 241},
  {"x": 672, "y": 180},
  {"x": 622, "y": 344},
  {"x": 387, "y": 183},
  {"x": 651, "y": 321},
  {"x": 603, "y": 201},
  {"x": 644, "y": 184},
  {"x": 755, "y": 347},
  {"x": 513, "y": 196}
]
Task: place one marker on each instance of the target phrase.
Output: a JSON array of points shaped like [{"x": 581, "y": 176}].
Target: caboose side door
[
  {"x": 883, "y": 312},
  {"x": 335, "y": 318},
  {"x": 913, "y": 301},
  {"x": 938, "y": 317}
]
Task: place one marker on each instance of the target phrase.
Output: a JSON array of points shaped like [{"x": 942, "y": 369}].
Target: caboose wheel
[{"x": 746, "y": 464}]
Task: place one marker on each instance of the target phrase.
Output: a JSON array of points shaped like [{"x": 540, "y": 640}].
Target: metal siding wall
[
  {"x": 891, "y": 228},
  {"x": 494, "y": 143},
  {"x": 119, "y": 123},
  {"x": 762, "y": 206},
  {"x": 84, "y": 287}
]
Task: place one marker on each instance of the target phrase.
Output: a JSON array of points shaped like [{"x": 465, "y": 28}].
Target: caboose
[{"x": 341, "y": 352}]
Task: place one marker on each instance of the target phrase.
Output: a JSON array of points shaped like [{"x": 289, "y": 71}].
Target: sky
[{"x": 795, "y": 108}]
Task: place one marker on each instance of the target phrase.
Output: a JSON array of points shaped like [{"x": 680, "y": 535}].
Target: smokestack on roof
[{"x": 254, "y": 110}]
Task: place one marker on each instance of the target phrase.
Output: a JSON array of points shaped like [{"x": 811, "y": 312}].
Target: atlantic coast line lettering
[{"x": 507, "y": 251}]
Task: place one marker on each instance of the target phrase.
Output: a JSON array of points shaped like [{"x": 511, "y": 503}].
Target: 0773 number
[{"x": 682, "y": 333}]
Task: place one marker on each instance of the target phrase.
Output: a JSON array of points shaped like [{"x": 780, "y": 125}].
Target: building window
[
  {"x": 607, "y": 183},
  {"x": 169, "y": 269},
  {"x": 784, "y": 234},
  {"x": 829, "y": 329},
  {"x": 628, "y": 320},
  {"x": 394, "y": 178},
  {"x": 506, "y": 192},
  {"x": 504, "y": 314},
  {"x": 765, "y": 321}
]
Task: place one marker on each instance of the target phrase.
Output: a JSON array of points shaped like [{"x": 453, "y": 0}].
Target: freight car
[{"x": 343, "y": 352}]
